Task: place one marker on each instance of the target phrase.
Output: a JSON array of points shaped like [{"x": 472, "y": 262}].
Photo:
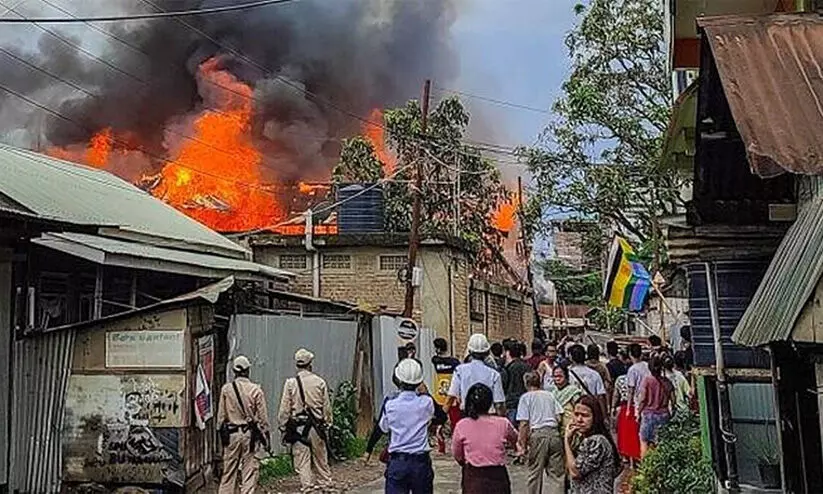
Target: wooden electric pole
[{"x": 414, "y": 236}]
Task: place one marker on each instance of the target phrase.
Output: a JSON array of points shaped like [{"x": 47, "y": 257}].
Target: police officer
[
  {"x": 242, "y": 403},
  {"x": 476, "y": 371},
  {"x": 406, "y": 418},
  {"x": 314, "y": 399}
]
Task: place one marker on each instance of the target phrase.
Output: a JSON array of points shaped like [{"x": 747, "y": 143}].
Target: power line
[
  {"x": 160, "y": 158},
  {"x": 493, "y": 100},
  {"x": 149, "y": 15}
]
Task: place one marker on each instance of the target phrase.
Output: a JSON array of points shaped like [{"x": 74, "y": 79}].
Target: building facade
[{"x": 367, "y": 270}]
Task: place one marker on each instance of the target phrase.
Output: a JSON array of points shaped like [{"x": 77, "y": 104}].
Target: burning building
[{"x": 221, "y": 116}]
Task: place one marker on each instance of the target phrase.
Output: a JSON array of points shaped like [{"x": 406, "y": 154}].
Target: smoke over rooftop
[{"x": 146, "y": 77}]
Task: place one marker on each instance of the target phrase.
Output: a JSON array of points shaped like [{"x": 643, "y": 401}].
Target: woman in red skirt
[{"x": 628, "y": 427}]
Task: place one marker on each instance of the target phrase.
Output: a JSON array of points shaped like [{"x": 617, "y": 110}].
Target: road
[{"x": 447, "y": 478}]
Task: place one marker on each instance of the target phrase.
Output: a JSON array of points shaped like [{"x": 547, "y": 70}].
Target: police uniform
[
  {"x": 239, "y": 460},
  {"x": 314, "y": 455}
]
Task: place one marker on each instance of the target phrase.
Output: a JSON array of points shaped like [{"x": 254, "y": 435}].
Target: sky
[{"x": 512, "y": 50}]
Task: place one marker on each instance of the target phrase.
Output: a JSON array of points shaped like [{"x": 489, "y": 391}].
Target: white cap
[
  {"x": 241, "y": 363},
  {"x": 478, "y": 343},
  {"x": 408, "y": 371},
  {"x": 303, "y": 357}
]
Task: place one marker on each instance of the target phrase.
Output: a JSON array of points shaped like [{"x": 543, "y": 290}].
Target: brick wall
[{"x": 506, "y": 312}]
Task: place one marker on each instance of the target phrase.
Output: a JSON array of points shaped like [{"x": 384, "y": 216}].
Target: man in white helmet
[
  {"x": 476, "y": 371},
  {"x": 406, "y": 418},
  {"x": 241, "y": 414},
  {"x": 305, "y": 412}
]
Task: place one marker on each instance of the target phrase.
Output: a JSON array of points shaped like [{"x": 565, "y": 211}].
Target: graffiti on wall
[{"x": 123, "y": 427}]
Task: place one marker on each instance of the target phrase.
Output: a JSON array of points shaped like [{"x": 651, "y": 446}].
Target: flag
[{"x": 627, "y": 282}]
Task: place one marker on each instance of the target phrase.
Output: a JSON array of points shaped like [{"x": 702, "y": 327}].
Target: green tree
[
  {"x": 599, "y": 157},
  {"x": 358, "y": 163},
  {"x": 461, "y": 189}
]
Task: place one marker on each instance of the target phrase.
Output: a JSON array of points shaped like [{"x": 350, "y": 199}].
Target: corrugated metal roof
[
  {"x": 771, "y": 68},
  {"x": 73, "y": 193},
  {"x": 788, "y": 283},
  {"x": 113, "y": 252}
]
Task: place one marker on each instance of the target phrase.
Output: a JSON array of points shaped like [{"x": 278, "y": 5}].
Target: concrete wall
[{"x": 441, "y": 303}]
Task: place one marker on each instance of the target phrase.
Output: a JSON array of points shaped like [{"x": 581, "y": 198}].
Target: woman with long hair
[
  {"x": 654, "y": 407},
  {"x": 479, "y": 445},
  {"x": 565, "y": 392},
  {"x": 595, "y": 464}
]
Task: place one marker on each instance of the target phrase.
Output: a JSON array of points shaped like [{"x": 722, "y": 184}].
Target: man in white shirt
[
  {"x": 539, "y": 415},
  {"x": 636, "y": 373},
  {"x": 585, "y": 377},
  {"x": 467, "y": 375}
]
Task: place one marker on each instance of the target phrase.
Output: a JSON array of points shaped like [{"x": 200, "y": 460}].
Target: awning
[
  {"x": 788, "y": 283},
  {"x": 678, "y": 146},
  {"x": 135, "y": 255},
  {"x": 770, "y": 68}
]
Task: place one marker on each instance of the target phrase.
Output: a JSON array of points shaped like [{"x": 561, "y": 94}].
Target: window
[
  {"x": 336, "y": 261},
  {"x": 477, "y": 304},
  {"x": 292, "y": 261},
  {"x": 393, "y": 262}
]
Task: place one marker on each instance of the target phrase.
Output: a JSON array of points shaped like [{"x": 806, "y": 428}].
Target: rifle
[{"x": 257, "y": 436}]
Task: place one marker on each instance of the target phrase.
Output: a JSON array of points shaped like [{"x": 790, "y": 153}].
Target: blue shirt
[
  {"x": 406, "y": 417},
  {"x": 467, "y": 375}
]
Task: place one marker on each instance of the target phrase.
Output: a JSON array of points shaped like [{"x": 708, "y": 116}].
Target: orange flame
[
  {"x": 505, "y": 216},
  {"x": 97, "y": 155},
  {"x": 377, "y": 136},
  {"x": 311, "y": 189},
  {"x": 215, "y": 176}
]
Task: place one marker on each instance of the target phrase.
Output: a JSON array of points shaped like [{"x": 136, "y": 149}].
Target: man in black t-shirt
[
  {"x": 512, "y": 374},
  {"x": 444, "y": 366}
]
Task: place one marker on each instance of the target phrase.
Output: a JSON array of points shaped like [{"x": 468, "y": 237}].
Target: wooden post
[{"x": 414, "y": 237}]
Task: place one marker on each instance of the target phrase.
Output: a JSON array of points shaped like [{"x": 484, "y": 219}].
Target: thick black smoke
[{"x": 353, "y": 54}]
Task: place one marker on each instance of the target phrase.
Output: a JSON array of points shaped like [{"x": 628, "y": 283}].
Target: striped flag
[{"x": 627, "y": 282}]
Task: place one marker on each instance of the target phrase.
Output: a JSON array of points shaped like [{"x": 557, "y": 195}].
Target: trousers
[
  {"x": 546, "y": 455},
  {"x": 239, "y": 461},
  {"x": 409, "y": 474},
  {"x": 312, "y": 459}
]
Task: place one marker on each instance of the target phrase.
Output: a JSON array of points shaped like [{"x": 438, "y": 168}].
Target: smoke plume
[{"x": 353, "y": 54}]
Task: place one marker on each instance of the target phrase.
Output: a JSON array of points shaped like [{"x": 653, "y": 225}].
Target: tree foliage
[
  {"x": 573, "y": 286},
  {"x": 599, "y": 157},
  {"x": 358, "y": 163},
  {"x": 461, "y": 189}
]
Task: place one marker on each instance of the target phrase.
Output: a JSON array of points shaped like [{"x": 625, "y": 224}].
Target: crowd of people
[{"x": 573, "y": 416}]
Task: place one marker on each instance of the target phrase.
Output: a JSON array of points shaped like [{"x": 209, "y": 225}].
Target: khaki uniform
[
  {"x": 317, "y": 399},
  {"x": 238, "y": 458}
]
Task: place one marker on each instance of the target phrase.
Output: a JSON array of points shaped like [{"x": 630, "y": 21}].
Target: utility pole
[
  {"x": 414, "y": 236},
  {"x": 537, "y": 326}
]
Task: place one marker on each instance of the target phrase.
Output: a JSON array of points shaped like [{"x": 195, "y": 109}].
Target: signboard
[
  {"x": 144, "y": 349},
  {"x": 407, "y": 329}
]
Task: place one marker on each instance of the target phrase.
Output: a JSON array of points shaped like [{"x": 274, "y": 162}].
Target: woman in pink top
[
  {"x": 479, "y": 445},
  {"x": 656, "y": 400}
]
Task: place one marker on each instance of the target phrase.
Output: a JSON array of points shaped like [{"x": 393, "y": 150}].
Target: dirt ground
[{"x": 347, "y": 475}]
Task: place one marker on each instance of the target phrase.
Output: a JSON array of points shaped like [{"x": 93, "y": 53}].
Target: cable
[
  {"x": 160, "y": 158},
  {"x": 492, "y": 100},
  {"x": 149, "y": 15}
]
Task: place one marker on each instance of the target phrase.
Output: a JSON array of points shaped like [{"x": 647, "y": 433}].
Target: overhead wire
[
  {"x": 492, "y": 100},
  {"x": 150, "y": 15}
]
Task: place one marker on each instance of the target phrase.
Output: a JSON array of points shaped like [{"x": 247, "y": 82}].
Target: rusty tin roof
[{"x": 771, "y": 68}]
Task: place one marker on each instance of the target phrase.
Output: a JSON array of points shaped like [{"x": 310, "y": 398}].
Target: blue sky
[{"x": 512, "y": 50}]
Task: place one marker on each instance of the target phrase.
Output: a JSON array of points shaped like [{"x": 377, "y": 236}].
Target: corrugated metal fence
[
  {"x": 41, "y": 369},
  {"x": 270, "y": 342}
]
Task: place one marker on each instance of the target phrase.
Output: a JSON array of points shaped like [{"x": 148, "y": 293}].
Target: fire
[
  {"x": 97, "y": 155},
  {"x": 505, "y": 216},
  {"x": 311, "y": 189},
  {"x": 377, "y": 136}
]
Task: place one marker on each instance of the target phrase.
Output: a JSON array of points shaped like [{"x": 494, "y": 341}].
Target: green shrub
[
  {"x": 276, "y": 467},
  {"x": 343, "y": 443},
  {"x": 676, "y": 465}
]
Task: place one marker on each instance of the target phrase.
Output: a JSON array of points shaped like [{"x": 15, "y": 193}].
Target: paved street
[{"x": 447, "y": 478}]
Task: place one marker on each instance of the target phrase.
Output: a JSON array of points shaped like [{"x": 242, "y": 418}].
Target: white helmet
[
  {"x": 408, "y": 371},
  {"x": 478, "y": 343}
]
